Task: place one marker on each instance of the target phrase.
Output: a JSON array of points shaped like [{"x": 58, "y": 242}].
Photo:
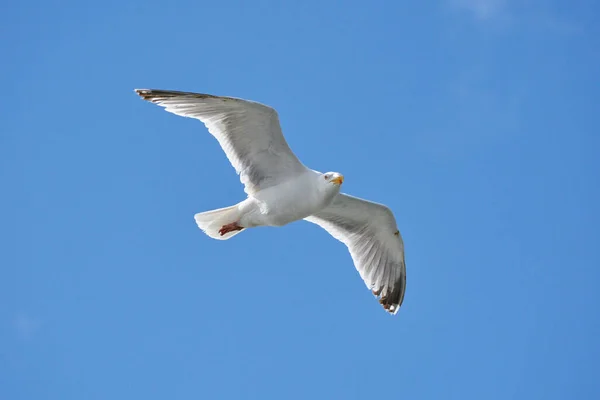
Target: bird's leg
[{"x": 232, "y": 227}]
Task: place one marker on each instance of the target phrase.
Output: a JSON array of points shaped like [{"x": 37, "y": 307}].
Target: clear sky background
[{"x": 476, "y": 121}]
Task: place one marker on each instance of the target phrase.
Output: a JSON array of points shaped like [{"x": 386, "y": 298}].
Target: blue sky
[{"x": 476, "y": 121}]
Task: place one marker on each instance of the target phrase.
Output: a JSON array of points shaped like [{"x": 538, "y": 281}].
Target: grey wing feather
[
  {"x": 248, "y": 132},
  {"x": 369, "y": 231}
]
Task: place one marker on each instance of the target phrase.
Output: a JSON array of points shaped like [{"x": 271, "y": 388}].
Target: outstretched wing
[
  {"x": 369, "y": 231},
  {"x": 248, "y": 132}
]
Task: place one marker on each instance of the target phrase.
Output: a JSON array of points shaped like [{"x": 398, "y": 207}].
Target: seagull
[{"x": 280, "y": 190}]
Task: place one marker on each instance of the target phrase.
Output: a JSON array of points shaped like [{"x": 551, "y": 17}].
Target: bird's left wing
[
  {"x": 369, "y": 231},
  {"x": 248, "y": 132}
]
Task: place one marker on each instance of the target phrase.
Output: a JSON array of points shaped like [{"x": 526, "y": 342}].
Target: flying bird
[{"x": 280, "y": 190}]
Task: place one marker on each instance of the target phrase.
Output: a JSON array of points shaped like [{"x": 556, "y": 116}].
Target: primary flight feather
[{"x": 280, "y": 189}]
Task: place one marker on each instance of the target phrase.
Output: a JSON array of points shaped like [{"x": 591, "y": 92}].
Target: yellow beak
[{"x": 339, "y": 180}]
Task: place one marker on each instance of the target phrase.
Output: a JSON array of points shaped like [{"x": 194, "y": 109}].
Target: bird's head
[{"x": 332, "y": 180}]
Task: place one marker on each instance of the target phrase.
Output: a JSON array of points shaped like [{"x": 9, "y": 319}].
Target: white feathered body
[{"x": 287, "y": 202}]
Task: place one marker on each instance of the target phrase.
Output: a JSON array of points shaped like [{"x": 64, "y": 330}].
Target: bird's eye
[{"x": 326, "y": 177}]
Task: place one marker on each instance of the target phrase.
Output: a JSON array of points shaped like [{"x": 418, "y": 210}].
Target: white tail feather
[{"x": 211, "y": 221}]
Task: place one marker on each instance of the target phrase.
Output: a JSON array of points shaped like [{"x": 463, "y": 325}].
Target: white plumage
[{"x": 280, "y": 190}]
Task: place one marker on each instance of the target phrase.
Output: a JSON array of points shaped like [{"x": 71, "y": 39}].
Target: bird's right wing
[
  {"x": 248, "y": 132},
  {"x": 369, "y": 231}
]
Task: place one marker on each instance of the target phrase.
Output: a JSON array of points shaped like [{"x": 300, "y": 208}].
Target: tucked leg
[{"x": 232, "y": 227}]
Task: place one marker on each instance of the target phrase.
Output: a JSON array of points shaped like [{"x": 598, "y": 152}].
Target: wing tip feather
[
  {"x": 155, "y": 94},
  {"x": 391, "y": 300},
  {"x": 145, "y": 94}
]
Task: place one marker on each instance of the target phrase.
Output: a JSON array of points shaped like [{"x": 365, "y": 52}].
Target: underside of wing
[
  {"x": 369, "y": 231},
  {"x": 248, "y": 132}
]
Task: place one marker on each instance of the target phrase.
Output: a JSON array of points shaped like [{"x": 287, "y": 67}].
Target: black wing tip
[
  {"x": 391, "y": 301},
  {"x": 388, "y": 303},
  {"x": 153, "y": 94},
  {"x": 390, "y": 306},
  {"x": 146, "y": 94}
]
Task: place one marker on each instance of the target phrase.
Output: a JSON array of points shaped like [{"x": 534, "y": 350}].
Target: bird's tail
[{"x": 211, "y": 222}]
